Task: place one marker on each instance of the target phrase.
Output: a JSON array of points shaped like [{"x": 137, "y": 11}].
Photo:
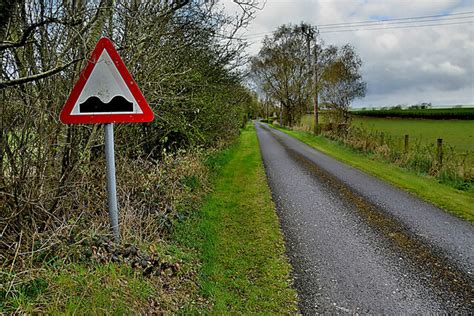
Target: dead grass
[{"x": 55, "y": 265}]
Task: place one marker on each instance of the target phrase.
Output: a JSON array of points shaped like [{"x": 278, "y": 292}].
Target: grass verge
[
  {"x": 244, "y": 268},
  {"x": 84, "y": 286},
  {"x": 459, "y": 203},
  {"x": 232, "y": 258}
]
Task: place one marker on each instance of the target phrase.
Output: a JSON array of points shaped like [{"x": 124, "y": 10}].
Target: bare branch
[
  {"x": 27, "y": 32},
  {"x": 14, "y": 82}
]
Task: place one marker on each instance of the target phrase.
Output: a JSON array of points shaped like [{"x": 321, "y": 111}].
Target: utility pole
[
  {"x": 266, "y": 106},
  {"x": 316, "y": 82},
  {"x": 281, "y": 114},
  {"x": 311, "y": 34}
]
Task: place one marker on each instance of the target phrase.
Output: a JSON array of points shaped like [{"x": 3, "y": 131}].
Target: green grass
[
  {"x": 244, "y": 268},
  {"x": 79, "y": 288},
  {"x": 307, "y": 121},
  {"x": 454, "y": 201},
  {"x": 456, "y": 133}
]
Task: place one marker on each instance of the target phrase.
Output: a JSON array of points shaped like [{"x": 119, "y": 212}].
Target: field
[
  {"x": 456, "y": 133},
  {"x": 383, "y": 138}
]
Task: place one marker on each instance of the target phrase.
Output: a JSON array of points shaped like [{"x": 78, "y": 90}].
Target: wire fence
[{"x": 437, "y": 159}]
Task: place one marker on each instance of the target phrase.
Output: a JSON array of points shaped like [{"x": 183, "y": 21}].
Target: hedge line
[{"x": 435, "y": 114}]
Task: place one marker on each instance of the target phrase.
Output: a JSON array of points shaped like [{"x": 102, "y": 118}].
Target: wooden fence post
[
  {"x": 406, "y": 144},
  {"x": 440, "y": 152}
]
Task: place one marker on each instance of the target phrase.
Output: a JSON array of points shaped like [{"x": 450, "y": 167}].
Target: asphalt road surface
[{"x": 360, "y": 245}]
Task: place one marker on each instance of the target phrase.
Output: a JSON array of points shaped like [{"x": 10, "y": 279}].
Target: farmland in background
[
  {"x": 384, "y": 138},
  {"x": 456, "y": 133}
]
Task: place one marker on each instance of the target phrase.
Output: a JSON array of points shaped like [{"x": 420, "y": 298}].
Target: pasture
[
  {"x": 458, "y": 134},
  {"x": 384, "y": 137}
]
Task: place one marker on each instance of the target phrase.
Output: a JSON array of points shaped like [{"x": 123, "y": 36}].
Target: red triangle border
[{"x": 67, "y": 118}]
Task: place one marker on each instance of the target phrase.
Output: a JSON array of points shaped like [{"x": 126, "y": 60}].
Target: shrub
[
  {"x": 423, "y": 113},
  {"x": 420, "y": 158}
]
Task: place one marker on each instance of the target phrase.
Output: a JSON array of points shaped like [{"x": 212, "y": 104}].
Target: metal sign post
[
  {"x": 106, "y": 93},
  {"x": 111, "y": 186}
]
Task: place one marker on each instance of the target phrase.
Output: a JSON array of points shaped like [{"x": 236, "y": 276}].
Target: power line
[
  {"x": 256, "y": 39},
  {"x": 377, "y": 28},
  {"x": 399, "y": 19},
  {"x": 395, "y": 27},
  {"x": 395, "y": 22},
  {"x": 257, "y": 34},
  {"x": 418, "y": 19}
]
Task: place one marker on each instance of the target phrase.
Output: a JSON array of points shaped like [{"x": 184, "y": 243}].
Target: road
[{"x": 360, "y": 245}]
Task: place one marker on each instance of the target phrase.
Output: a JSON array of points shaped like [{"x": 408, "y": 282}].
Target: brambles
[{"x": 153, "y": 197}]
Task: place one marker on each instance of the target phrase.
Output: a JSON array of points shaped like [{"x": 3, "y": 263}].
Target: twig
[
  {"x": 14, "y": 82},
  {"x": 13, "y": 263}
]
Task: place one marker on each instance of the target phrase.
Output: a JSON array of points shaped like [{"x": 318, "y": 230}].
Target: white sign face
[{"x": 105, "y": 92}]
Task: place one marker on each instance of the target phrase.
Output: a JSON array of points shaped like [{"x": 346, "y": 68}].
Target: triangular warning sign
[{"x": 105, "y": 92}]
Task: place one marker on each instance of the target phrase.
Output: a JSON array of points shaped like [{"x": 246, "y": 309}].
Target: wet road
[{"x": 359, "y": 245}]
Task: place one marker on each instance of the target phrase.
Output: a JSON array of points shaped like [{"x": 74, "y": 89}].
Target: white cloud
[
  {"x": 427, "y": 64},
  {"x": 445, "y": 68},
  {"x": 386, "y": 42}
]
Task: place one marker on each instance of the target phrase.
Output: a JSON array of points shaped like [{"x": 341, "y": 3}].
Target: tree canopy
[
  {"x": 282, "y": 72},
  {"x": 341, "y": 81}
]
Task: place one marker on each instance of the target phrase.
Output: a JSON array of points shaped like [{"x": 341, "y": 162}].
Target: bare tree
[
  {"x": 281, "y": 71},
  {"x": 341, "y": 81}
]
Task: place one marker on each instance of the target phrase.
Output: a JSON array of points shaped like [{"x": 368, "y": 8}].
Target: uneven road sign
[{"x": 106, "y": 93}]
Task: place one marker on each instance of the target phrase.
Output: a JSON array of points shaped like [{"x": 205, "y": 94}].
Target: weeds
[
  {"x": 422, "y": 159},
  {"x": 153, "y": 196}
]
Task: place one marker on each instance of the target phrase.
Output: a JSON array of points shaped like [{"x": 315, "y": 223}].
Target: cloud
[
  {"x": 444, "y": 69},
  {"x": 407, "y": 65}
]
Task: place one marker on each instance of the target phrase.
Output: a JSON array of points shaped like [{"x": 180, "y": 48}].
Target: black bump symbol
[{"x": 95, "y": 105}]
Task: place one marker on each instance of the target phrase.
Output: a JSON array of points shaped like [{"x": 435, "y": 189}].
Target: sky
[{"x": 401, "y": 66}]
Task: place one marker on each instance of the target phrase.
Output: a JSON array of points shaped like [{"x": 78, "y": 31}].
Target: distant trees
[
  {"x": 341, "y": 81},
  {"x": 420, "y": 106},
  {"x": 282, "y": 72}
]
